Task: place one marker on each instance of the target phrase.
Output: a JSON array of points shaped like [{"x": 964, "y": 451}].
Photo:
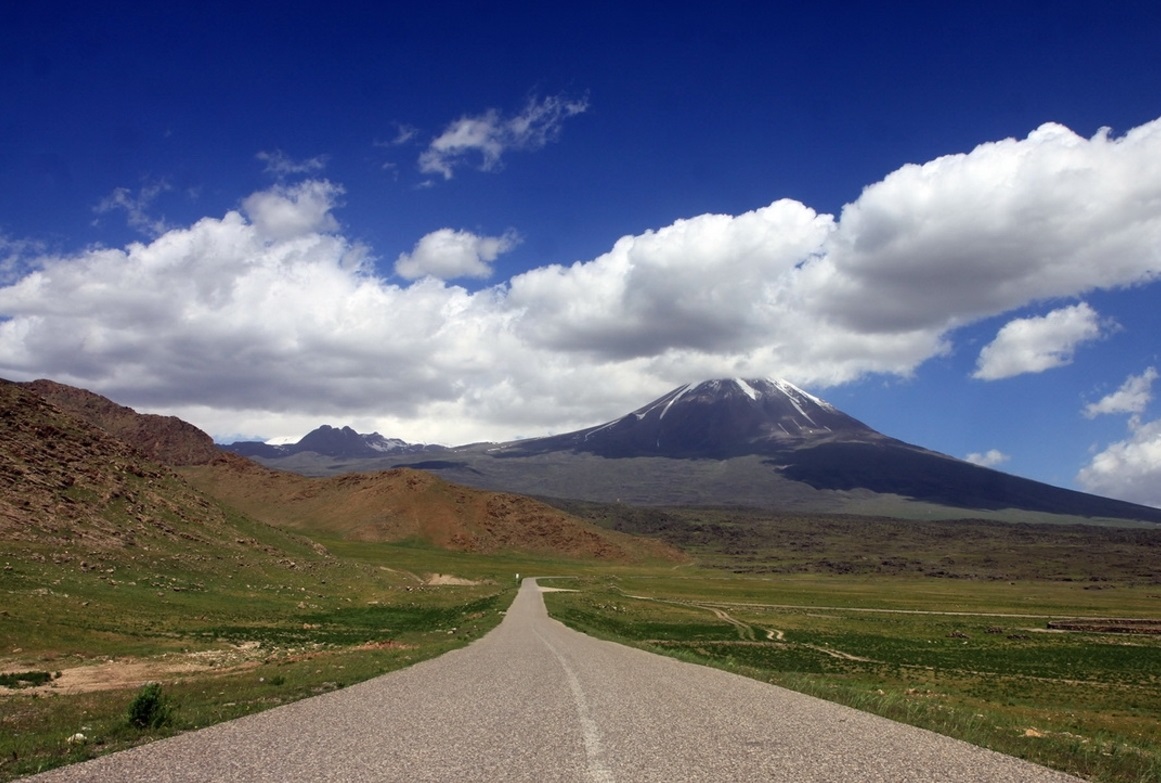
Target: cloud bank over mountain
[{"x": 270, "y": 316}]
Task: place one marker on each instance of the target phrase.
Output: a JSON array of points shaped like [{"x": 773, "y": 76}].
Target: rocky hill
[
  {"x": 165, "y": 439},
  {"x": 74, "y": 469},
  {"x": 73, "y": 493}
]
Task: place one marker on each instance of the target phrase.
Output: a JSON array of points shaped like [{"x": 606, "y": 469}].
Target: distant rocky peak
[{"x": 338, "y": 442}]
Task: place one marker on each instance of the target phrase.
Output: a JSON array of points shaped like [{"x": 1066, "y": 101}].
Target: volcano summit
[{"x": 715, "y": 419}]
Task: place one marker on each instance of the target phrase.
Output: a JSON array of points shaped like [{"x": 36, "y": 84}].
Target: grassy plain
[
  {"x": 224, "y": 635},
  {"x": 941, "y": 624}
]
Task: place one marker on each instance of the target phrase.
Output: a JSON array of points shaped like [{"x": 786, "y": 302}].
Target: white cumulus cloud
[
  {"x": 285, "y": 212},
  {"x": 1129, "y": 469},
  {"x": 985, "y": 232},
  {"x": 987, "y": 459},
  {"x": 1135, "y": 393},
  {"x": 269, "y": 319},
  {"x": 484, "y": 138},
  {"x": 448, "y": 254},
  {"x": 1037, "y": 344}
]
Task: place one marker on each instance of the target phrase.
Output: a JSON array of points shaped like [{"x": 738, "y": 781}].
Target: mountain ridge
[
  {"x": 77, "y": 467},
  {"x": 759, "y": 442},
  {"x": 754, "y": 442},
  {"x": 330, "y": 442}
]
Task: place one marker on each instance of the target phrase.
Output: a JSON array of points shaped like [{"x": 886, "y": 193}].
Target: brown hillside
[
  {"x": 76, "y": 455},
  {"x": 403, "y": 504},
  {"x": 66, "y": 484},
  {"x": 165, "y": 439}
]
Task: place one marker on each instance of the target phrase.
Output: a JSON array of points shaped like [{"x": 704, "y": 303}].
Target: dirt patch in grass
[
  {"x": 120, "y": 673},
  {"x": 448, "y": 579},
  {"x": 385, "y": 645}
]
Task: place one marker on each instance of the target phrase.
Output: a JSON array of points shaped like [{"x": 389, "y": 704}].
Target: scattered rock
[{"x": 448, "y": 579}]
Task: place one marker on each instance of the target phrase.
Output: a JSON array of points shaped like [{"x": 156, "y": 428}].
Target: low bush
[
  {"x": 24, "y": 679},
  {"x": 149, "y": 708}
]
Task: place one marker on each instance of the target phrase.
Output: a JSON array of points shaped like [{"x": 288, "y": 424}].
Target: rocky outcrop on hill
[
  {"x": 64, "y": 481},
  {"x": 165, "y": 439}
]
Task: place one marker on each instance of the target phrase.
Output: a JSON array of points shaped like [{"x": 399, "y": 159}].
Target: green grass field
[
  {"x": 224, "y": 637},
  {"x": 973, "y": 660},
  {"x": 935, "y": 624}
]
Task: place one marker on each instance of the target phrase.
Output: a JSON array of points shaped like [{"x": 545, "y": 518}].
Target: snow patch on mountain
[
  {"x": 674, "y": 399},
  {"x": 749, "y": 390},
  {"x": 284, "y": 440}
]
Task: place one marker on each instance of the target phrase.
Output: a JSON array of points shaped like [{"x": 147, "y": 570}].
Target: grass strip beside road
[{"x": 224, "y": 637}]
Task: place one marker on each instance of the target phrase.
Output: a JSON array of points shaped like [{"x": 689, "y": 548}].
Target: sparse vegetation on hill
[
  {"x": 63, "y": 481},
  {"x": 404, "y": 504},
  {"x": 164, "y": 439}
]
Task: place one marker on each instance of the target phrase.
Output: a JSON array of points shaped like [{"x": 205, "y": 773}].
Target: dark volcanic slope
[
  {"x": 801, "y": 440},
  {"x": 900, "y": 469}
]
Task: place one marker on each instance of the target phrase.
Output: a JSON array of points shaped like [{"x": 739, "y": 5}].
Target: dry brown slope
[
  {"x": 68, "y": 485},
  {"x": 403, "y": 504},
  {"x": 390, "y": 506},
  {"x": 165, "y": 439}
]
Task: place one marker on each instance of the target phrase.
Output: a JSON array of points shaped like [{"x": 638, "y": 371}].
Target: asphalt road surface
[{"x": 534, "y": 701}]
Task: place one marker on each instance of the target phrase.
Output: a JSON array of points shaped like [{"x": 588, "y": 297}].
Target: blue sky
[{"x": 490, "y": 221}]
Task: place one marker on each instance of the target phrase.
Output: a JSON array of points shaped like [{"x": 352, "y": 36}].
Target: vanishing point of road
[{"x": 535, "y": 701}]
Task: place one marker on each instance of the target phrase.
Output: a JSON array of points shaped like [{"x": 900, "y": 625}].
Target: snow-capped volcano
[
  {"x": 714, "y": 418},
  {"x": 760, "y": 442}
]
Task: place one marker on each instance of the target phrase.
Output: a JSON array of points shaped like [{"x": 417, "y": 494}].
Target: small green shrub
[
  {"x": 24, "y": 679},
  {"x": 149, "y": 709}
]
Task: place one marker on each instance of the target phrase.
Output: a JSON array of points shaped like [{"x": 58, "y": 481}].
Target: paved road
[{"x": 534, "y": 701}]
